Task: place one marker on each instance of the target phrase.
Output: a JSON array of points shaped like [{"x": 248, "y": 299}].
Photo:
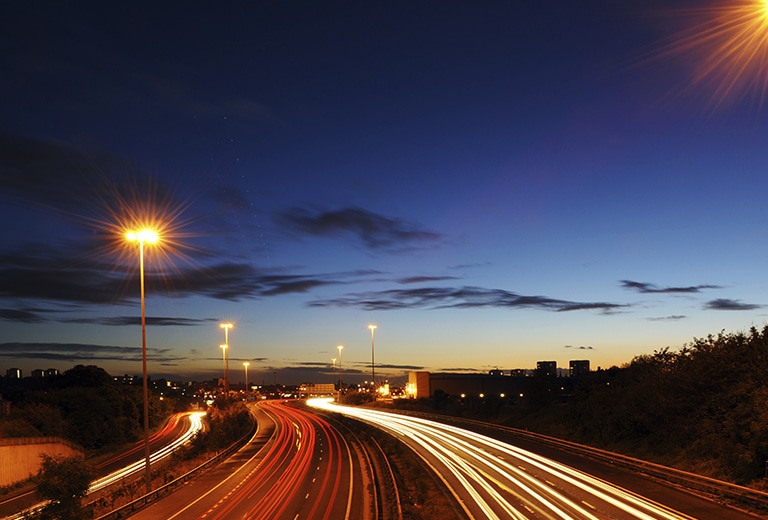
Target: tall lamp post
[
  {"x": 373, "y": 370},
  {"x": 341, "y": 371},
  {"x": 245, "y": 365},
  {"x": 150, "y": 237},
  {"x": 333, "y": 360},
  {"x": 226, "y": 375},
  {"x": 225, "y": 346}
]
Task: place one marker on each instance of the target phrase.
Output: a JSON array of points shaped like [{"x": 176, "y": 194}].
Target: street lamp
[
  {"x": 373, "y": 370},
  {"x": 333, "y": 360},
  {"x": 341, "y": 371},
  {"x": 226, "y": 375},
  {"x": 150, "y": 237},
  {"x": 245, "y": 364},
  {"x": 226, "y": 327}
]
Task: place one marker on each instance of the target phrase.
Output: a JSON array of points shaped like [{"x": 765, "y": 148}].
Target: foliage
[
  {"x": 358, "y": 398},
  {"x": 226, "y": 424},
  {"x": 700, "y": 407},
  {"x": 64, "y": 481},
  {"x": 85, "y": 405}
]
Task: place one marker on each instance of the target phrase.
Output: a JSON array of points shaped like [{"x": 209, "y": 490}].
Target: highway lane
[
  {"x": 493, "y": 479},
  {"x": 178, "y": 430},
  {"x": 297, "y": 466}
]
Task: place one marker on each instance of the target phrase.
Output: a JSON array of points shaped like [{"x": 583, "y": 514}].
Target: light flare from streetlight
[{"x": 728, "y": 43}]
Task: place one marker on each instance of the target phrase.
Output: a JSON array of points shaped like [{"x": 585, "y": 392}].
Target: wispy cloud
[
  {"x": 649, "y": 288},
  {"x": 374, "y": 231},
  {"x": 80, "y": 352},
  {"x": 424, "y": 279},
  {"x": 458, "y": 298},
  {"x": 50, "y": 274},
  {"x": 581, "y": 347},
  {"x": 674, "y": 317},
  {"x": 136, "y": 320},
  {"x": 725, "y": 304}
]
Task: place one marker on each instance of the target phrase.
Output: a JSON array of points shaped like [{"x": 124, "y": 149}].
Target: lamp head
[{"x": 146, "y": 235}]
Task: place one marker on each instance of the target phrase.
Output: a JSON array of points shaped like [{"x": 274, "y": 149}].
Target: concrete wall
[{"x": 20, "y": 458}]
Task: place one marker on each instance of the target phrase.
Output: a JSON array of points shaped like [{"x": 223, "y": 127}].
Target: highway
[
  {"x": 493, "y": 479},
  {"x": 177, "y": 431},
  {"x": 297, "y": 466}
]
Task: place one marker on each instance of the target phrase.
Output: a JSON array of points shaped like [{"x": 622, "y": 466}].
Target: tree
[{"x": 64, "y": 481}]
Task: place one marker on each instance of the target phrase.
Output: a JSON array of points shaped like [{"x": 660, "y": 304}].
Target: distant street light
[
  {"x": 373, "y": 370},
  {"x": 150, "y": 237},
  {"x": 333, "y": 360},
  {"x": 226, "y": 327},
  {"x": 245, "y": 364},
  {"x": 341, "y": 371}
]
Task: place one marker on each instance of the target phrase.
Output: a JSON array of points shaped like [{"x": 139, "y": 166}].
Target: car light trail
[
  {"x": 504, "y": 481},
  {"x": 195, "y": 425}
]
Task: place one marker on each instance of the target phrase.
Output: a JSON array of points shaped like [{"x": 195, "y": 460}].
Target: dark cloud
[
  {"x": 50, "y": 274},
  {"x": 648, "y": 288},
  {"x": 21, "y": 316},
  {"x": 463, "y": 297},
  {"x": 82, "y": 184},
  {"x": 674, "y": 317},
  {"x": 424, "y": 279},
  {"x": 374, "y": 231},
  {"x": 582, "y": 347},
  {"x": 388, "y": 366},
  {"x": 136, "y": 320},
  {"x": 725, "y": 304},
  {"x": 76, "y": 352}
]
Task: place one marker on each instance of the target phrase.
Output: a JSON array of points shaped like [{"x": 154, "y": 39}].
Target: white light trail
[
  {"x": 482, "y": 466},
  {"x": 196, "y": 424}
]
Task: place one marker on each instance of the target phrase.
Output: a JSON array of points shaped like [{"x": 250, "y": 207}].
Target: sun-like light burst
[
  {"x": 728, "y": 44},
  {"x": 146, "y": 211}
]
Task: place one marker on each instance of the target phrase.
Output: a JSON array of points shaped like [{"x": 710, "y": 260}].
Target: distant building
[
  {"x": 13, "y": 373},
  {"x": 418, "y": 385},
  {"x": 495, "y": 383},
  {"x": 546, "y": 368},
  {"x": 38, "y": 373},
  {"x": 578, "y": 367},
  {"x": 315, "y": 390},
  {"x": 51, "y": 372}
]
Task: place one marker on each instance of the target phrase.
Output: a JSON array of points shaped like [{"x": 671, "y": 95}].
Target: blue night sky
[{"x": 491, "y": 183}]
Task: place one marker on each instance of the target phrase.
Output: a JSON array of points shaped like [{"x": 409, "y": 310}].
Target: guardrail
[{"x": 143, "y": 501}]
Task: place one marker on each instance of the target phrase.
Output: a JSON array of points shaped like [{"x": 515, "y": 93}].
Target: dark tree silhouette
[{"x": 64, "y": 481}]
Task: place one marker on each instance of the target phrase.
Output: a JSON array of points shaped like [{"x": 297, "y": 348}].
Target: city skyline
[{"x": 490, "y": 185}]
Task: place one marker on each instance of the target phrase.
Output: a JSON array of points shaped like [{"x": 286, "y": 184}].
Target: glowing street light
[
  {"x": 225, "y": 346},
  {"x": 373, "y": 370},
  {"x": 341, "y": 371},
  {"x": 245, "y": 365},
  {"x": 729, "y": 40},
  {"x": 333, "y": 360},
  {"x": 143, "y": 236}
]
